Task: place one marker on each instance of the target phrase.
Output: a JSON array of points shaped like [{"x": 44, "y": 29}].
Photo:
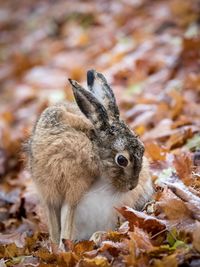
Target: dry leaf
[
  {"x": 17, "y": 238},
  {"x": 170, "y": 207},
  {"x": 142, "y": 242},
  {"x": 96, "y": 262},
  {"x": 142, "y": 220},
  {"x": 179, "y": 138},
  {"x": 183, "y": 165},
  {"x": 155, "y": 151}
]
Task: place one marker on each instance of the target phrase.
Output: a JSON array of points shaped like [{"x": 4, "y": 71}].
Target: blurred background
[{"x": 148, "y": 49}]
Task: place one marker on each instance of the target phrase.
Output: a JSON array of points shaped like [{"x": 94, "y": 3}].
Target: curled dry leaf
[{"x": 140, "y": 219}]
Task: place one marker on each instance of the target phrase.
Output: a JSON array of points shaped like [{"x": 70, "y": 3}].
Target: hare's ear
[
  {"x": 90, "y": 106},
  {"x": 98, "y": 85}
]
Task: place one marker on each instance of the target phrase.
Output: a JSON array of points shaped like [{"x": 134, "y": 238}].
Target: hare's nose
[{"x": 130, "y": 187}]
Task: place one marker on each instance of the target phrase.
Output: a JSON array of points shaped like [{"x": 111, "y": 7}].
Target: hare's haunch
[{"x": 85, "y": 161}]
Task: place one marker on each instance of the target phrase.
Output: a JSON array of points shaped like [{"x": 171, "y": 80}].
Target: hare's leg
[
  {"x": 67, "y": 221},
  {"x": 53, "y": 218}
]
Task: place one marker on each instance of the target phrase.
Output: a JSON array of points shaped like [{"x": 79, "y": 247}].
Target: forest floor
[{"x": 150, "y": 53}]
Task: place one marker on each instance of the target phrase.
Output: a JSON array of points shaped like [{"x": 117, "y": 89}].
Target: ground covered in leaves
[{"x": 150, "y": 52}]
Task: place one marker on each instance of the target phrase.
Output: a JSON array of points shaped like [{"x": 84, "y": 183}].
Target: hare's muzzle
[
  {"x": 131, "y": 187},
  {"x": 133, "y": 183}
]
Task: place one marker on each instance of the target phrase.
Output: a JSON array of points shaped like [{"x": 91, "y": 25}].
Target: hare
[{"x": 85, "y": 161}]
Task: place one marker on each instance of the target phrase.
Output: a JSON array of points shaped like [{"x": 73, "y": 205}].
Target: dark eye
[
  {"x": 112, "y": 129},
  {"x": 121, "y": 160}
]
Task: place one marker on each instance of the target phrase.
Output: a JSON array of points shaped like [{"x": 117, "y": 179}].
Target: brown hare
[{"x": 85, "y": 161}]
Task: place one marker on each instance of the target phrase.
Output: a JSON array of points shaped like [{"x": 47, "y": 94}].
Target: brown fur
[{"x": 59, "y": 161}]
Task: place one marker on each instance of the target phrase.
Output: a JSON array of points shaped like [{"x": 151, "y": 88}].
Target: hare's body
[
  {"x": 60, "y": 164},
  {"x": 84, "y": 167}
]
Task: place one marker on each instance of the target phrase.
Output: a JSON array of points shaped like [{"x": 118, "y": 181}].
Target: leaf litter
[{"x": 149, "y": 50}]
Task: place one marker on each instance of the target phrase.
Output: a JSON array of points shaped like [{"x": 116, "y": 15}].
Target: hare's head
[{"x": 119, "y": 149}]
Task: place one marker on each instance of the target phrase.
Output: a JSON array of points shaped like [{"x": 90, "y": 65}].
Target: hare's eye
[
  {"x": 112, "y": 129},
  {"x": 121, "y": 160}
]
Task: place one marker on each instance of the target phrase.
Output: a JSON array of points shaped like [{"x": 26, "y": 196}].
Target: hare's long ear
[
  {"x": 98, "y": 85},
  {"x": 90, "y": 106}
]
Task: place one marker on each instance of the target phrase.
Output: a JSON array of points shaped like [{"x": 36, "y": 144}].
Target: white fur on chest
[{"x": 96, "y": 211}]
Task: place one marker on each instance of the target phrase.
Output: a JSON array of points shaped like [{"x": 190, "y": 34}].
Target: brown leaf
[
  {"x": 132, "y": 258},
  {"x": 83, "y": 246},
  {"x": 9, "y": 251},
  {"x": 45, "y": 255},
  {"x": 183, "y": 165},
  {"x": 142, "y": 220},
  {"x": 141, "y": 240},
  {"x": 190, "y": 50},
  {"x": 166, "y": 262},
  {"x": 114, "y": 248},
  {"x": 177, "y": 103},
  {"x": 181, "y": 121},
  {"x": 155, "y": 151},
  {"x": 191, "y": 201},
  {"x": 179, "y": 138},
  {"x": 67, "y": 259},
  {"x": 99, "y": 261},
  {"x": 170, "y": 207},
  {"x": 163, "y": 130}
]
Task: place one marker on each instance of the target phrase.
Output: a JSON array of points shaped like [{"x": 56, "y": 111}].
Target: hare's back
[{"x": 62, "y": 155}]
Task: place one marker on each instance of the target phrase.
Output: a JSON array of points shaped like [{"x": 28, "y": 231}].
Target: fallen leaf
[
  {"x": 166, "y": 262},
  {"x": 170, "y": 207},
  {"x": 155, "y": 151},
  {"x": 83, "y": 246},
  {"x": 96, "y": 262},
  {"x": 140, "y": 219},
  {"x": 183, "y": 165},
  {"x": 17, "y": 238},
  {"x": 179, "y": 138},
  {"x": 191, "y": 201},
  {"x": 141, "y": 240},
  {"x": 45, "y": 255}
]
